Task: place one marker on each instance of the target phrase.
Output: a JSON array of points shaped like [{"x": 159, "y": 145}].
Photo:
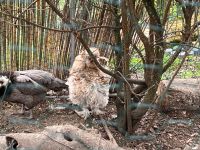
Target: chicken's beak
[{"x": 1, "y": 84}]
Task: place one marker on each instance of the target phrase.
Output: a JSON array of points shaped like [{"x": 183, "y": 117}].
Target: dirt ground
[{"x": 178, "y": 129}]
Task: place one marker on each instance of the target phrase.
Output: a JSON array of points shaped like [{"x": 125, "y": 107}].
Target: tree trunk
[
  {"x": 180, "y": 90},
  {"x": 153, "y": 60},
  {"x": 72, "y": 6}
]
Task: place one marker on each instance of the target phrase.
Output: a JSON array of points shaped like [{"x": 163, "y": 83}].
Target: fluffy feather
[{"x": 88, "y": 86}]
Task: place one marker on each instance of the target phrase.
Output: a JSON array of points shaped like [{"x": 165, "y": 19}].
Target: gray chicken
[{"x": 28, "y": 87}]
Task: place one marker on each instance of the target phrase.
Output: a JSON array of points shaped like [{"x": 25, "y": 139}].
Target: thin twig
[
  {"x": 112, "y": 139},
  {"x": 130, "y": 88},
  {"x": 21, "y": 13}
]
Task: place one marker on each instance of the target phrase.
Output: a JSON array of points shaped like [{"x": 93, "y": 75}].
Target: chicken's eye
[{"x": 90, "y": 59}]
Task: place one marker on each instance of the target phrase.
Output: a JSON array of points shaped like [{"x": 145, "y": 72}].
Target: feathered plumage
[
  {"x": 28, "y": 87},
  {"x": 88, "y": 86}
]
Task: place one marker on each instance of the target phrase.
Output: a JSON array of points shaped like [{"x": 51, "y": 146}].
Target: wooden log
[
  {"x": 185, "y": 91},
  {"x": 66, "y": 137}
]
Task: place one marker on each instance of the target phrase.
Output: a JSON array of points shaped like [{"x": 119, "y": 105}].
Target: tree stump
[{"x": 186, "y": 93}]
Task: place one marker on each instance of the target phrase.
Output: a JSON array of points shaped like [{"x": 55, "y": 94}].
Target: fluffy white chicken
[{"x": 88, "y": 85}]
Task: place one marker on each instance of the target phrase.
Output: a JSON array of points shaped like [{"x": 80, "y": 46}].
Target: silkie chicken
[{"x": 88, "y": 85}]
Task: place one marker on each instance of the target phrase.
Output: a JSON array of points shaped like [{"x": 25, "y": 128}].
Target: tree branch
[
  {"x": 57, "y": 30},
  {"x": 114, "y": 75},
  {"x": 93, "y": 57},
  {"x": 172, "y": 58},
  {"x": 166, "y": 12},
  {"x": 136, "y": 25},
  {"x": 32, "y": 23},
  {"x": 29, "y": 6}
]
